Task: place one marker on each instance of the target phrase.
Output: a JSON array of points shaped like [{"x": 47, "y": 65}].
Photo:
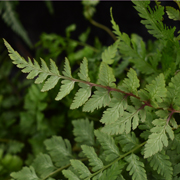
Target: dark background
[{"x": 36, "y": 19}]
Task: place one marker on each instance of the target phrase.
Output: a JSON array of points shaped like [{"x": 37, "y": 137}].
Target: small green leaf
[
  {"x": 135, "y": 167},
  {"x": 70, "y": 175},
  {"x": 94, "y": 161},
  {"x": 160, "y": 162},
  {"x": 50, "y": 83},
  {"x": 109, "y": 53},
  {"x": 108, "y": 144},
  {"x": 157, "y": 88},
  {"x": 41, "y": 78},
  {"x": 116, "y": 110},
  {"x": 81, "y": 96},
  {"x": 106, "y": 75},
  {"x": 65, "y": 89},
  {"x": 127, "y": 141},
  {"x": 67, "y": 69},
  {"x": 131, "y": 83},
  {"x": 54, "y": 68},
  {"x": 25, "y": 173},
  {"x": 173, "y": 13},
  {"x": 83, "y": 131},
  {"x": 100, "y": 98},
  {"x": 43, "y": 165},
  {"x": 59, "y": 150},
  {"x": 83, "y": 74},
  {"x": 81, "y": 168}
]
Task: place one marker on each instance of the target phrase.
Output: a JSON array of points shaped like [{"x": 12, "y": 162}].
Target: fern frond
[
  {"x": 160, "y": 162},
  {"x": 108, "y": 144},
  {"x": 94, "y": 161},
  {"x": 133, "y": 49},
  {"x": 135, "y": 167},
  {"x": 131, "y": 83},
  {"x": 158, "y": 139},
  {"x": 43, "y": 165},
  {"x": 99, "y": 99},
  {"x": 173, "y": 13},
  {"x": 113, "y": 172},
  {"x": 114, "y": 25},
  {"x": 157, "y": 90},
  {"x": 117, "y": 106},
  {"x": 109, "y": 53},
  {"x": 10, "y": 17},
  {"x": 60, "y": 150},
  {"x": 127, "y": 141},
  {"x": 83, "y": 131},
  {"x": 123, "y": 124},
  {"x": 176, "y": 143},
  {"x": 25, "y": 173},
  {"x": 153, "y": 20},
  {"x": 173, "y": 91}
]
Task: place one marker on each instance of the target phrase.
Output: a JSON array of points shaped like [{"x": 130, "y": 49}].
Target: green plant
[{"x": 140, "y": 136}]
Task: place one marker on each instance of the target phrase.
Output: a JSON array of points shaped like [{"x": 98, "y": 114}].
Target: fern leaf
[
  {"x": 158, "y": 138},
  {"x": 124, "y": 123},
  {"x": 50, "y": 83},
  {"x": 54, "y": 68},
  {"x": 108, "y": 144},
  {"x": 25, "y": 173},
  {"x": 83, "y": 131},
  {"x": 66, "y": 87},
  {"x": 131, "y": 83},
  {"x": 153, "y": 20},
  {"x": 173, "y": 13},
  {"x": 80, "y": 168},
  {"x": 106, "y": 76},
  {"x": 117, "y": 106},
  {"x": 113, "y": 172},
  {"x": 83, "y": 74},
  {"x": 59, "y": 150},
  {"x": 135, "y": 167},
  {"x": 173, "y": 92},
  {"x": 43, "y": 165},
  {"x": 70, "y": 175},
  {"x": 161, "y": 163},
  {"x": 114, "y": 25},
  {"x": 109, "y": 53},
  {"x": 127, "y": 141},
  {"x": 94, "y": 161},
  {"x": 41, "y": 78},
  {"x": 81, "y": 96},
  {"x": 67, "y": 69},
  {"x": 99, "y": 99},
  {"x": 176, "y": 143},
  {"x": 11, "y": 19},
  {"x": 157, "y": 89},
  {"x": 44, "y": 66},
  {"x": 14, "y": 55},
  {"x": 176, "y": 170}
]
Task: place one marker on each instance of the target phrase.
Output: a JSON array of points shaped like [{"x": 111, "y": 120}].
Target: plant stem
[{"x": 103, "y": 27}]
